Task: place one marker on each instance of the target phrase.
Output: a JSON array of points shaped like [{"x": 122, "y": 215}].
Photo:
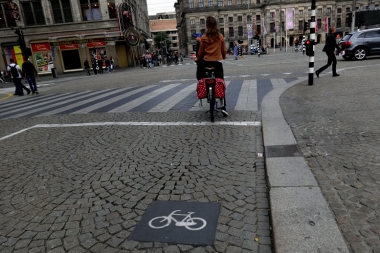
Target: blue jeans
[{"x": 32, "y": 82}]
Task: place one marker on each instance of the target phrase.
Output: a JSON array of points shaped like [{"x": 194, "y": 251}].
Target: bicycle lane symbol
[{"x": 188, "y": 222}]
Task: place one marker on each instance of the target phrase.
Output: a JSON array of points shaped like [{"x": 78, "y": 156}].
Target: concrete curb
[{"x": 301, "y": 218}]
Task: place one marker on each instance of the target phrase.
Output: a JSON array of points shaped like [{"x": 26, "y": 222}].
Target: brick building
[
  {"x": 233, "y": 16},
  {"x": 62, "y": 33},
  {"x": 164, "y": 22}
]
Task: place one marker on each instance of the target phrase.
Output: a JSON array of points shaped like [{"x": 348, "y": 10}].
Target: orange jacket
[{"x": 212, "y": 50}]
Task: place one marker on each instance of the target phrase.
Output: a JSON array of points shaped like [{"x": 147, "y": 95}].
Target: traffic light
[
  {"x": 309, "y": 46},
  {"x": 305, "y": 26}
]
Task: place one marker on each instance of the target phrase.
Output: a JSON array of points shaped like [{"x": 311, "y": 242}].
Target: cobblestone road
[{"x": 336, "y": 124}]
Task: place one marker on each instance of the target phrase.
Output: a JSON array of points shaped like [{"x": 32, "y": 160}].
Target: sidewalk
[{"x": 322, "y": 162}]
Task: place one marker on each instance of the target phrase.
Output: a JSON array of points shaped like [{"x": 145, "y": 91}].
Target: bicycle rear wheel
[{"x": 212, "y": 106}]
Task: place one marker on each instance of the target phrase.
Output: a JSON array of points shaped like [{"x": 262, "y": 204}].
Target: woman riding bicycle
[{"x": 212, "y": 50}]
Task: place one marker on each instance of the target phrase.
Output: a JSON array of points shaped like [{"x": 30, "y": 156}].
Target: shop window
[
  {"x": 33, "y": 13},
  {"x": 200, "y": 3},
  {"x": 231, "y": 31},
  {"x": 240, "y": 31},
  {"x": 5, "y": 17},
  {"x": 210, "y": 2},
  {"x": 111, "y": 9},
  {"x": 90, "y": 10},
  {"x": 61, "y": 11}
]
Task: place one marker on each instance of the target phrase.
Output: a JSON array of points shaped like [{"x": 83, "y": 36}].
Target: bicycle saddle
[{"x": 209, "y": 69}]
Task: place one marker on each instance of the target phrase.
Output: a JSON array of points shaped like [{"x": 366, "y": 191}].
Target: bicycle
[
  {"x": 187, "y": 222},
  {"x": 297, "y": 48},
  {"x": 210, "y": 87}
]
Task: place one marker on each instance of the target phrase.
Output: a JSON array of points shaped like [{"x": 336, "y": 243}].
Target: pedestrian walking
[
  {"x": 236, "y": 48},
  {"x": 108, "y": 65},
  {"x": 100, "y": 65},
  {"x": 5, "y": 76},
  {"x": 112, "y": 64},
  {"x": 87, "y": 66},
  {"x": 15, "y": 73},
  {"x": 94, "y": 64},
  {"x": 2, "y": 76},
  {"x": 30, "y": 73},
  {"x": 329, "y": 49}
]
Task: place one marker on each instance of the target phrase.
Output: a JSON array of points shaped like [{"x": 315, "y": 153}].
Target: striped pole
[{"x": 312, "y": 38}]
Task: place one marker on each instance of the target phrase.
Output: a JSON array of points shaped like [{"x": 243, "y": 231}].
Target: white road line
[{"x": 204, "y": 123}]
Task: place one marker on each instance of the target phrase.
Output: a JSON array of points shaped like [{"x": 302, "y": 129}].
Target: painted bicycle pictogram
[{"x": 188, "y": 222}]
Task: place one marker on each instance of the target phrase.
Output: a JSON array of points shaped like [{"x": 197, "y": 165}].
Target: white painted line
[
  {"x": 134, "y": 123},
  {"x": 264, "y": 74}
]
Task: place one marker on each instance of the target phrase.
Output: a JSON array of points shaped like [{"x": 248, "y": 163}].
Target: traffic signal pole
[{"x": 312, "y": 38}]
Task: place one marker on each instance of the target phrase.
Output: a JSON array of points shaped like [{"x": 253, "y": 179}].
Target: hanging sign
[
  {"x": 132, "y": 37},
  {"x": 14, "y": 11},
  {"x": 72, "y": 46},
  {"x": 249, "y": 29},
  {"x": 326, "y": 19},
  {"x": 289, "y": 18}
]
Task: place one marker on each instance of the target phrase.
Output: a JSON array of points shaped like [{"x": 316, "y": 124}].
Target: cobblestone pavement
[
  {"x": 84, "y": 189},
  {"x": 336, "y": 124}
]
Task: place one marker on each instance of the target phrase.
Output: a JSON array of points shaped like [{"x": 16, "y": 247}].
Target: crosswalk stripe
[
  {"x": 247, "y": 100},
  {"x": 107, "y": 102},
  {"x": 38, "y": 105},
  {"x": 135, "y": 102},
  {"x": 30, "y": 101}
]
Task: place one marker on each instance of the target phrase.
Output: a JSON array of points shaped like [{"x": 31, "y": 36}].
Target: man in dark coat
[{"x": 329, "y": 49}]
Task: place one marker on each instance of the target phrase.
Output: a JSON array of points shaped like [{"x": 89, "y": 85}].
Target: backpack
[{"x": 14, "y": 71}]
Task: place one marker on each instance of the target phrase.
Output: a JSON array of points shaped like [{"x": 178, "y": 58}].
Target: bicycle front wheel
[
  {"x": 199, "y": 224},
  {"x": 159, "y": 222}
]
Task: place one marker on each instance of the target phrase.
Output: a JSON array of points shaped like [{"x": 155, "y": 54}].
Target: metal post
[
  {"x": 312, "y": 38},
  {"x": 353, "y": 15},
  {"x": 280, "y": 27}
]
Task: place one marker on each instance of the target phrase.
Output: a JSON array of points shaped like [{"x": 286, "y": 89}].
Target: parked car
[
  {"x": 360, "y": 44},
  {"x": 193, "y": 55}
]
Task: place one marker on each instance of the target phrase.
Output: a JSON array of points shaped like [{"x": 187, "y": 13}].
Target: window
[
  {"x": 309, "y": 12},
  {"x": 240, "y": 18},
  {"x": 300, "y": 25},
  {"x": 90, "y": 10},
  {"x": 203, "y": 31},
  {"x": 319, "y": 11},
  {"x": 202, "y": 21},
  {"x": 5, "y": 17},
  {"x": 300, "y": 12},
  {"x": 61, "y": 11},
  {"x": 231, "y": 31},
  {"x": 174, "y": 38},
  {"x": 33, "y": 13},
  {"x": 328, "y": 10},
  {"x": 221, "y": 20},
  {"x": 175, "y": 45},
  {"x": 111, "y": 9},
  {"x": 272, "y": 28},
  {"x": 272, "y": 15},
  {"x": 238, "y": 2},
  {"x": 338, "y": 22},
  {"x": 348, "y": 9},
  {"x": 193, "y": 32},
  {"x": 230, "y": 19},
  {"x": 240, "y": 31},
  {"x": 192, "y": 21},
  {"x": 249, "y": 18},
  {"x": 257, "y": 1},
  {"x": 191, "y": 4},
  {"x": 248, "y": 1},
  {"x": 339, "y": 10},
  {"x": 210, "y": 3},
  {"x": 258, "y": 27},
  {"x": 319, "y": 23},
  {"x": 372, "y": 34},
  {"x": 258, "y": 18},
  {"x": 220, "y": 2},
  {"x": 229, "y": 2},
  {"x": 200, "y": 3},
  {"x": 221, "y": 30}
]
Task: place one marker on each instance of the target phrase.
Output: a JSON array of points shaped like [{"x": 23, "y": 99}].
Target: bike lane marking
[{"x": 7, "y": 96}]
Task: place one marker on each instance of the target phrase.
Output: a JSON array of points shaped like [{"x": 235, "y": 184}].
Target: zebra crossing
[{"x": 175, "y": 96}]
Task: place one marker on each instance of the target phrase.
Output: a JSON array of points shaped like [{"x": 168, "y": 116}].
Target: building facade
[
  {"x": 167, "y": 23},
  {"x": 62, "y": 33},
  {"x": 265, "y": 18}
]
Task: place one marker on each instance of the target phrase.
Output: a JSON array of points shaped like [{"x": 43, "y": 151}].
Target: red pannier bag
[
  {"x": 201, "y": 89},
  {"x": 220, "y": 88}
]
